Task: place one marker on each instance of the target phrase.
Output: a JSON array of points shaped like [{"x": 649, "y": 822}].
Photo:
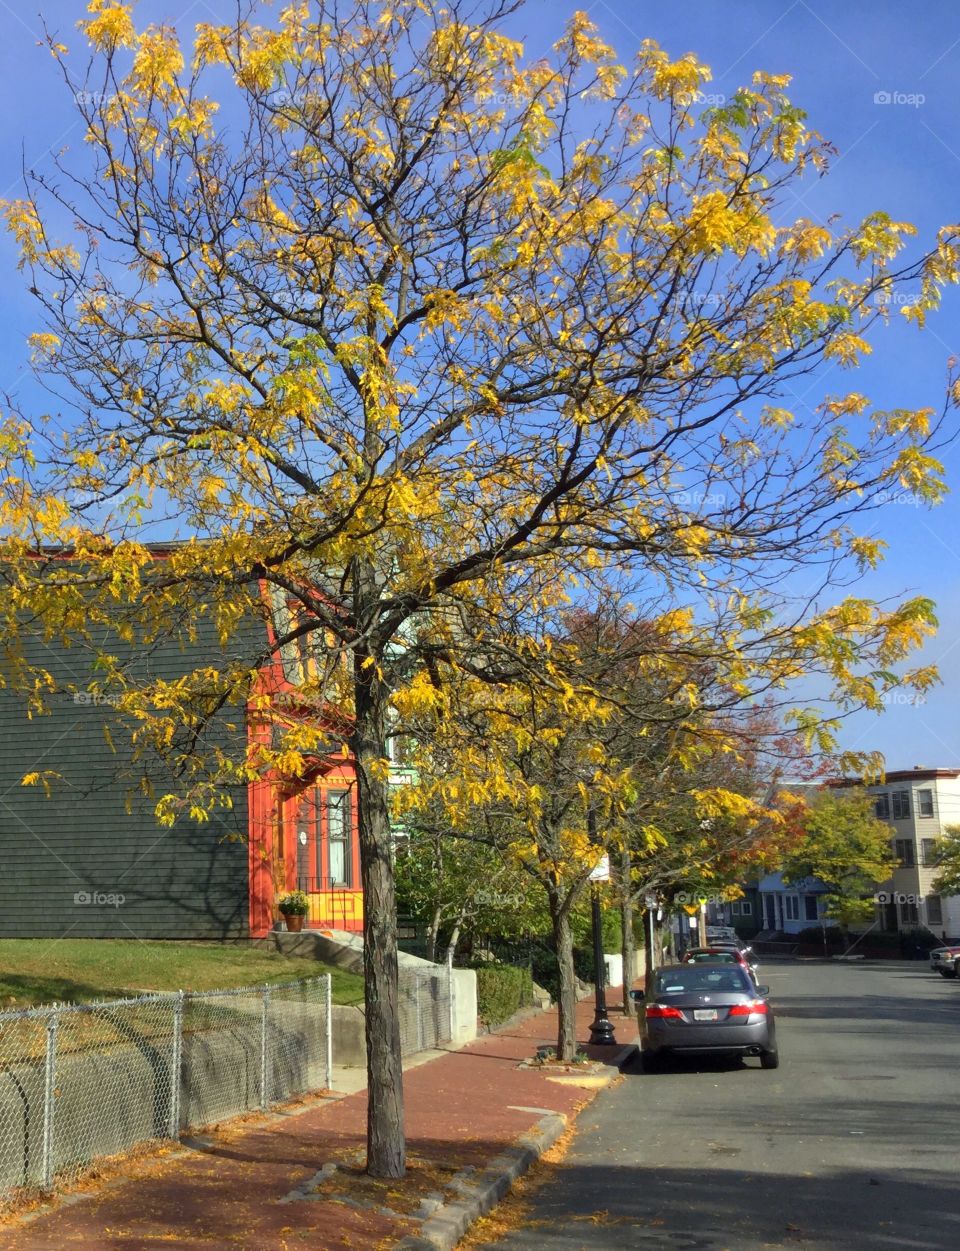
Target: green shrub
[
  {"x": 814, "y": 934},
  {"x": 921, "y": 937},
  {"x": 502, "y": 990},
  {"x": 881, "y": 940}
]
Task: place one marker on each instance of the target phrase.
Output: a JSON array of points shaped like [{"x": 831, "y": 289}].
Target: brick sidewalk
[{"x": 236, "y": 1190}]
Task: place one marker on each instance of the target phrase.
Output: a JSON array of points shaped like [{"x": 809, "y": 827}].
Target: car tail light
[
  {"x": 660, "y": 1010},
  {"x": 749, "y": 1009}
]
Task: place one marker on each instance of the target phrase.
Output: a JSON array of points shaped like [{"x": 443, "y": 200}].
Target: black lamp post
[{"x": 601, "y": 1031}]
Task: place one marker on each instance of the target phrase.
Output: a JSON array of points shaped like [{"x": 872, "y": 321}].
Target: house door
[
  {"x": 768, "y": 905},
  {"x": 324, "y": 839}
]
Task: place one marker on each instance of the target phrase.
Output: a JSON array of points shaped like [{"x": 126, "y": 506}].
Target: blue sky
[{"x": 878, "y": 79}]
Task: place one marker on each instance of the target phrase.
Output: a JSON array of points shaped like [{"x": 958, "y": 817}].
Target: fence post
[
  {"x": 49, "y": 1101},
  {"x": 451, "y": 1003},
  {"x": 176, "y": 1059},
  {"x": 328, "y": 1011},
  {"x": 265, "y": 1051},
  {"x": 418, "y": 1009}
]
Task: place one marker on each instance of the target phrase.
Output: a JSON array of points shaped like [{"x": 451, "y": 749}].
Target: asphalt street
[{"x": 854, "y": 1142}]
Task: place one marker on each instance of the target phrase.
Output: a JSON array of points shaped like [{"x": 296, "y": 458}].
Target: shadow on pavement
[
  {"x": 723, "y": 1207},
  {"x": 866, "y": 1007}
]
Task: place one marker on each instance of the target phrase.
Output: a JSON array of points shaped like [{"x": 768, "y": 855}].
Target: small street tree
[
  {"x": 705, "y": 817},
  {"x": 526, "y": 771},
  {"x": 358, "y": 310},
  {"x": 947, "y": 880},
  {"x": 843, "y": 843},
  {"x": 461, "y": 886}
]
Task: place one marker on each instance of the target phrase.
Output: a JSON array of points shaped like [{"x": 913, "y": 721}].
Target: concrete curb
[{"x": 482, "y": 1190}]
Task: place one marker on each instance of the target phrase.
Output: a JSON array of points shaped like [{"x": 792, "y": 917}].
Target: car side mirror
[
  {"x": 636, "y": 996},
  {"x": 763, "y": 991}
]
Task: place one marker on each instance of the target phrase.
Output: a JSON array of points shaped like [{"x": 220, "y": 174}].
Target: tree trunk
[
  {"x": 386, "y": 1151},
  {"x": 628, "y": 949},
  {"x": 433, "y": 933},
  {"x": 454, "y": 936},
  {"x": 567, "y": 998}
]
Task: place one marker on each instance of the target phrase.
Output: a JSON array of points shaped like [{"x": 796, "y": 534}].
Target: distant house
[
  {"x": 794, "y": 906},
  {"x": 90, "y": 859},
  {"x": 916, "y": 803},
  {"x": 743, "y": 913}
]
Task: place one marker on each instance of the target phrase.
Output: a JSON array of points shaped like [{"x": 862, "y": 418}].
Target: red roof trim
[{"x": 900, "y": 775}]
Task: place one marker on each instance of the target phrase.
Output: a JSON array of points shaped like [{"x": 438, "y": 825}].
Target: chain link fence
[
  {"x": 82, "y": 1081},
  {"x": 427, "y": 1006},
  {"x": 79, "y": 1082}
]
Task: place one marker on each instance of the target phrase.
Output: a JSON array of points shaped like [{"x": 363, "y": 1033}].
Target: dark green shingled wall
[{"x": 63, "y": 856}]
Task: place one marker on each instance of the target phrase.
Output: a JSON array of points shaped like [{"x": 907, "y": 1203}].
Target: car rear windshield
[
  {"x": 703, "y": 977},
  {"x": 716, "y": 957}
]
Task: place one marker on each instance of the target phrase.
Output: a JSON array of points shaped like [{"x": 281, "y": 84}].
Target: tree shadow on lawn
[{"x": 31, "y": 990}]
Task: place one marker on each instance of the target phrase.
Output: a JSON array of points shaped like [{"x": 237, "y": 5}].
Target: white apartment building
[{"x": 917, "y": 804}]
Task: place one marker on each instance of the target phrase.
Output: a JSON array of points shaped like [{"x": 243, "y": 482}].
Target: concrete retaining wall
[{"x": 344, "y": 950}]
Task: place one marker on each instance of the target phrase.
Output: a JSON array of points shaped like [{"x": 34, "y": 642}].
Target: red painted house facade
[{"x": 302, "y": 832}]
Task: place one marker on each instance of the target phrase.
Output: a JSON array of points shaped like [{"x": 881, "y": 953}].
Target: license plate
[{"x": 704, "y": 1014}]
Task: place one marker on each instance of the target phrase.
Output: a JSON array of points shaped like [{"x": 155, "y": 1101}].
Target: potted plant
[{"x": 293, "y": 908}]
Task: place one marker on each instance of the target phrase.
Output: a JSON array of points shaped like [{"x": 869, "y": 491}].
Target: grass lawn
[{"x": 76, "y": 970}]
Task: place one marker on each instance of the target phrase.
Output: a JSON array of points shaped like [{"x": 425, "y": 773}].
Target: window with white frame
[
  {"x": 925, "y": 803},
  {"x": 934, "y": 910},
  {"x": 881, "y": 806},
  {"x": 928, "y": 852},
  {"x": 746, "y": 908},
  {"x": 792, "y": 904},
  {"x": 339, "y": 858}
]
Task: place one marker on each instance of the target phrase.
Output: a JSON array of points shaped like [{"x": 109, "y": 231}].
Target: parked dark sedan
[{"x": 707, "y": 1009}]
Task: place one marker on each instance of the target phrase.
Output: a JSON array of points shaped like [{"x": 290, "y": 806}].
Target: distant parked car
[
  {"x": 744, "y": 950},
  {"x": 707, "y": 1008},
  {"x": 719, "y": 953},
  {"x": 943, "y": 960}
]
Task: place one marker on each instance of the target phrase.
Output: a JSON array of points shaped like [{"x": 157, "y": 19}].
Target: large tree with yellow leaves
[{"x": 380, "y": 315}]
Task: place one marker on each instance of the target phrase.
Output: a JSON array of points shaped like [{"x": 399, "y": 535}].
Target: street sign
[
  {"x": 691, "y": 909},
  {"x": 602, "y": 872},
  {"x": 649, "y": 901}
]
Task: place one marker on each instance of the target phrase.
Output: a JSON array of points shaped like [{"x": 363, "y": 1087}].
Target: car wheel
[
  {"x": 950, "y": 973},
  {"x": 770, "y": 1059}
]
